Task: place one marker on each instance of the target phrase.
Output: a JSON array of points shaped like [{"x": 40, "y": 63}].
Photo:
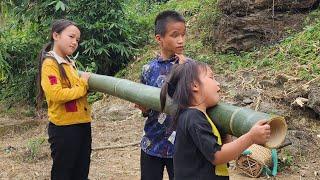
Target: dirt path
[{"x": 116, "y": 122}]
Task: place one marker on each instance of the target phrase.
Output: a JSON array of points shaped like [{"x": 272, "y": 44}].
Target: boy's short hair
[{"x": 164, "y": 18}]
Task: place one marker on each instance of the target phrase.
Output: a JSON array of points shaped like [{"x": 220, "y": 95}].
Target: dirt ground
[{"x": 117, "y": 128}]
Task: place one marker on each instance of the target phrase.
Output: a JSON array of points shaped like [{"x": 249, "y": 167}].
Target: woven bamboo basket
[{"x": 253, "y": 163}]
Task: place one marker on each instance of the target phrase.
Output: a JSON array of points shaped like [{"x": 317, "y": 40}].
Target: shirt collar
[
  {"x": 60, "y": 59},
  {"x": 172, "y": 60}
]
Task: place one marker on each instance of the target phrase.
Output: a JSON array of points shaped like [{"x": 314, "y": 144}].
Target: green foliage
[
  {"x": 59, "y": 5},
  {"x": 18, "y": 67},
  {"x": 207, "y": 20},
  {"x": 109, "y": 40},
  {"x": 41, "y": 13},
  {"x": 33, "y": 147},
  {"x": 4, "y": 66},
  {"x": 94, "y": 96},
  {"x": 21, "y": 38},
  {"x": 286, "y": 161}
]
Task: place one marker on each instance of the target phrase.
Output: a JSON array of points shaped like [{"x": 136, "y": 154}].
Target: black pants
[
  {"x": 152, "y": 167},
  {"x": 70, "y": 151}
]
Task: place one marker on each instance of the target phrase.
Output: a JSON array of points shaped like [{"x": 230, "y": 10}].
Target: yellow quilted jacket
[{"x": 67, "y": 104}]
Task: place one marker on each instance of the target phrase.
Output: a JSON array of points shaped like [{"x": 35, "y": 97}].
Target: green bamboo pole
[{"x": 234, "y": 120}]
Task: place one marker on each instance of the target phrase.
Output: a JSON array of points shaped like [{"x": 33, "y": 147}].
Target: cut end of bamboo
[{"x": 278, "y": 132}]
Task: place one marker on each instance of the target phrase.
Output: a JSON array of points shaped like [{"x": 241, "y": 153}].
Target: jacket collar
[{"x": 60, "y": 59}]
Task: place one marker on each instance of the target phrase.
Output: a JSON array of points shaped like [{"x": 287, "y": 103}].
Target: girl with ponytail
[
  {"x": 69, "y": 113},
  {"x": 202, "y": 150}
]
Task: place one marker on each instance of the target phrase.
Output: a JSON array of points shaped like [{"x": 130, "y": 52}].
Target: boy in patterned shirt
[{"x": 158, "y": 139}]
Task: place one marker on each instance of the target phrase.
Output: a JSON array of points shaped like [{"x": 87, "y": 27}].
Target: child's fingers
[
  {"x": 177, "y": 56},
  {"x": 262, "y": 122},
  {"x": 266, "y": 126},
  {"x": 181, "y": 58}
]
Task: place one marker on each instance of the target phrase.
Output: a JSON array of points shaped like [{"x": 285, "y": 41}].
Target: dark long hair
[
  {"x": 178, "y": 86},
  {"x": 58, "y": 26}
]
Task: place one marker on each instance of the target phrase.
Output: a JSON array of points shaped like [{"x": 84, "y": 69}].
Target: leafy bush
[
  {"x": 33, "y": 147},
  {"x": 19, "y": 49},
  {"x": 108, "y": 40}
]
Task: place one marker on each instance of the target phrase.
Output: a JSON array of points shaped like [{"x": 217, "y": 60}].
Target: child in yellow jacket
[{"x": 69, "y": 113}]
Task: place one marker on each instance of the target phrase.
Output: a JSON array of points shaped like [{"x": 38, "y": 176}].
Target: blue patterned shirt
[{"x": 158, "y": 138}]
